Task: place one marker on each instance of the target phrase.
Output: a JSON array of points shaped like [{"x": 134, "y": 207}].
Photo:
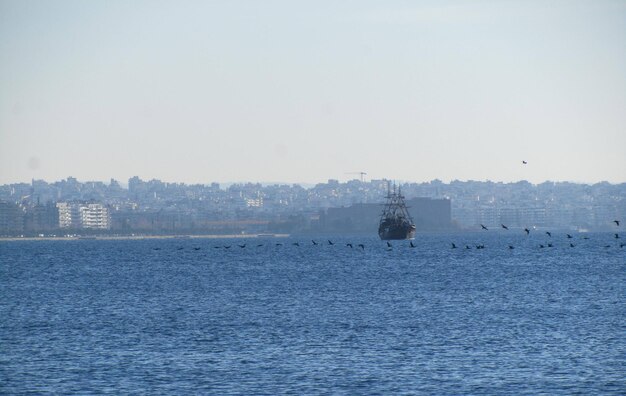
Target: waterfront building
[
  {"x": 11, "y": 218},
  {"x": 68, "y": 215},
  {"x": 84, "y": 215},
  {"x": 95, "y": 216}
]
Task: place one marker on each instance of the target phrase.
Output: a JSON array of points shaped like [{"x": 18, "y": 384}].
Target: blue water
[{"x": 158, "y": 316}]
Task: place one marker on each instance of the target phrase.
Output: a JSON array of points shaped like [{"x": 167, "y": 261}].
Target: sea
[{"x": 271, "y": 316}]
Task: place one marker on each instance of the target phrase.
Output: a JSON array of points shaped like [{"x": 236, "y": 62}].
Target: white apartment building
[
  {"x": 68, "y": 215},
  {"x": 95, "y": 216},
  {"x": 84, "y": 215}
]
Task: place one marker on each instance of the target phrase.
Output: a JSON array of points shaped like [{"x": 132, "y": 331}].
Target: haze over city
[{"x": 280, "y": 91}]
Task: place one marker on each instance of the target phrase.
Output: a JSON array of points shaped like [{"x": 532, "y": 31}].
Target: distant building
[
  {"x": 95, "y": 216},
  {"x": 41, "y": 218},
  {"x": 430, "y": 214},
  {"x": 358, "y": 218},
  {"x": 11, "y": 218},
  {"x": 68, "y": 215},
  {"x": 254, "y": 203},
  {"x": 84, "y": 215}
]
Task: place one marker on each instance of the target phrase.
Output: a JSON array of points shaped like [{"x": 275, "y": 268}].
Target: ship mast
[{"x": 395, "y": 206}]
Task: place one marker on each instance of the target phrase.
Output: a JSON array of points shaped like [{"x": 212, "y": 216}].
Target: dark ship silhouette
[{"x": 395, "y": 220}]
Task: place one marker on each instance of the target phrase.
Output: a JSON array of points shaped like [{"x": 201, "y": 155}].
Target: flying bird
[
  {"x": 483, "y": 227},
  {"x": 569, "y": 236},
  {"x": 453, "y": 245},
  {"x": 549, "y": 234},
  {"x": 349, "y": 244},
  {"x": 412, "y": 245},
  {"x": 511, "y": 247},
  {"x": 616, "y": 222},
  {"x": 571, "y": 245},
  {"x": 296, "y": 243},
  {"x": 330, "y": 242},
  {"x": 196, "y": 248},
  {"x": 467, "y": 247},
  {"x": 315, "y": 243},
  {"x": 550, "y": 245},
  {"x": 242, "y": 246},
  {"x": 524, "y": 162},
  {"x": 389, "y": 245},
  {"x": 362, "y": 246},
  {"x": 505, "y": 227},
  {"x": 616, "y": 236},
  {"x": 527, "y": 231}
]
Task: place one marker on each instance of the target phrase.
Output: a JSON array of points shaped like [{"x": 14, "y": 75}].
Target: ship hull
[{"x": 396, "y": 233}]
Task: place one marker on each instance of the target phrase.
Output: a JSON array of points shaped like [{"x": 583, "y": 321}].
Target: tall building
[
  {"x": 430, "y": 214},
  {"x": 68, "y": 215},
  {"x": 11, "y": 218},
  {"x": 84, "y": 215},
  {"x": 41, "y": 217},
  {"x": 95, "y": 216}
]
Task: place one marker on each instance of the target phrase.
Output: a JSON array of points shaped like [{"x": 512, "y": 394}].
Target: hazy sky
[{"x": 304, "y": 91}]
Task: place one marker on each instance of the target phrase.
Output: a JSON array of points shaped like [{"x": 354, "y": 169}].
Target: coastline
[{"x": 140, "y": 237}]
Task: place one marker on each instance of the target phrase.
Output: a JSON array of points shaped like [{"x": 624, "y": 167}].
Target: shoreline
[{"x": 140, "y": 237}]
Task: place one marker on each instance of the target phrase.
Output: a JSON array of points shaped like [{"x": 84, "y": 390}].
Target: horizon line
[{"x": 312, "y": 184}]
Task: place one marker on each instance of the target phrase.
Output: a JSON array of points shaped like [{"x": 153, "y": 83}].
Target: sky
[{"x": 305, "y": 91}]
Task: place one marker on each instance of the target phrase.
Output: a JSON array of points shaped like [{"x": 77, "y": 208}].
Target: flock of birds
[
  {"x": 548, "y": 233},
  {"x": 298, "y": 244},
  {"x": 389, "y": 245},
  {"x": 244, "y": 245}
]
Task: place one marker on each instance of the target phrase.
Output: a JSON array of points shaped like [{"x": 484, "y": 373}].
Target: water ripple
[{"x": 121, "y": 317}]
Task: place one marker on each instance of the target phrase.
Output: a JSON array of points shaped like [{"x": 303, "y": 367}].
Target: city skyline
[
  {"x": 302, "y": 93},
  {"x": 124, "y": 183},
  {"x": 155, "y": 206}
]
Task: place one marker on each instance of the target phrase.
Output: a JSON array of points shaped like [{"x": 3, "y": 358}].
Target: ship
[{"x": 395, "y": 221}]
